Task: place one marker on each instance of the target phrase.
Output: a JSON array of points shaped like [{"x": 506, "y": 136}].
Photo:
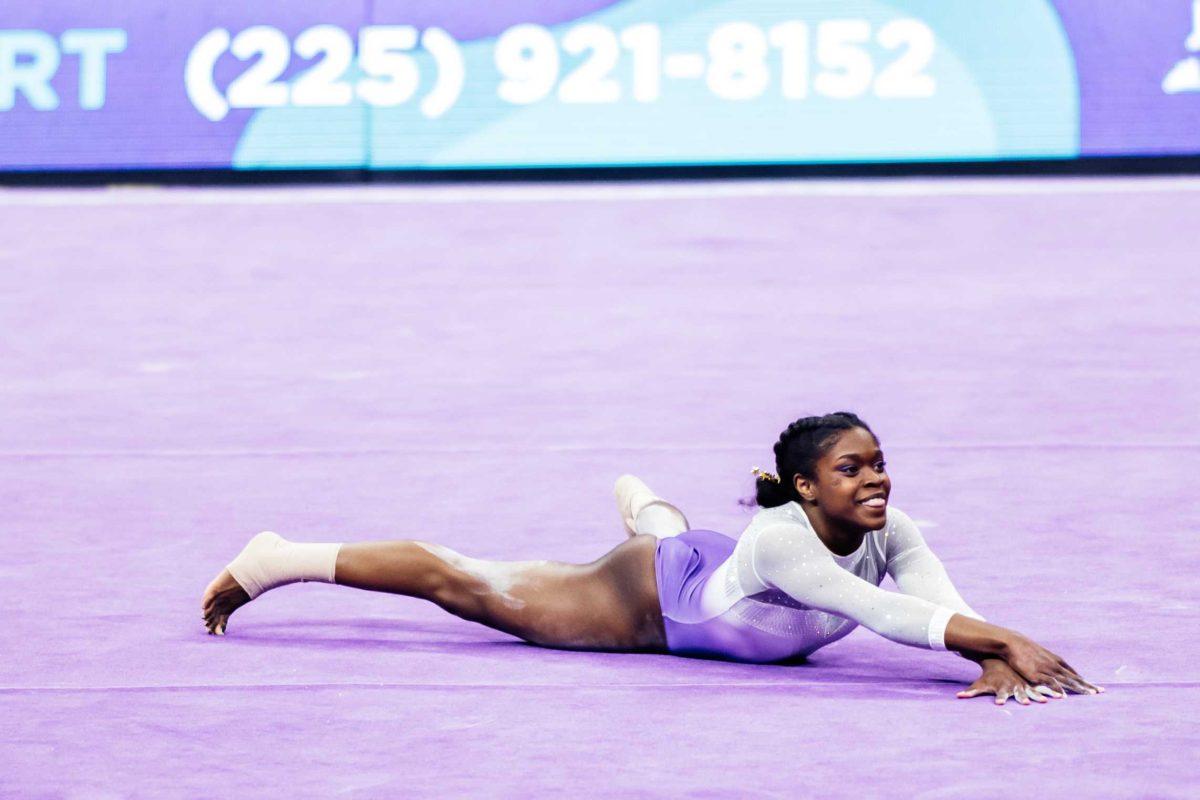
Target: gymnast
[{"x": 805, "y": 572}]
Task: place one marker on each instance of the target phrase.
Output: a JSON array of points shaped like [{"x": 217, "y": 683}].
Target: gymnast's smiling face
[{"x": 851, "y": 485}]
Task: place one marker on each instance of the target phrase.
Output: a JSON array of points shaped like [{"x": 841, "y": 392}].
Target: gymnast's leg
[{"x": 609, "y": 604}]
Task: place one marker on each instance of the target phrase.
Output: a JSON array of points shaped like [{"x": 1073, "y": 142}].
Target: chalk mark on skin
[{"x": 498, "y": 576}]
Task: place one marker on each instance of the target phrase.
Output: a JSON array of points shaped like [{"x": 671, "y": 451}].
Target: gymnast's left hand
[{"x": 999, "y": 679}]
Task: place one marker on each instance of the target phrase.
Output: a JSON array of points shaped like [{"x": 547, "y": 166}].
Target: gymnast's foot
[
  {"x": 222, "y": 597},
  {"x": 226, "y": 593},
  {"x": 643, "y": 511},
  {"x": 266, "y": 562}
]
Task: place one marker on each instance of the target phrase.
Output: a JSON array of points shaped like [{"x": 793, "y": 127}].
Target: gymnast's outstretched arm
[
  {"x": 917, "y": 571},
  {"x": 792, "y": 559}
]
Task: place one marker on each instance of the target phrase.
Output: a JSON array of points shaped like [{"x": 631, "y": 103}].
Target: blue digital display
[{"x": 642, "y": 82}]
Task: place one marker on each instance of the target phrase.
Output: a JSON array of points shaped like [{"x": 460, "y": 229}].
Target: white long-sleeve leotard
[{"x": 784, "y": 594}]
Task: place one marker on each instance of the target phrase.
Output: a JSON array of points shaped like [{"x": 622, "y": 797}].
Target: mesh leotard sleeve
[
  {"x": 793, "y": 559},
  {"x": 916, "y": 570}
]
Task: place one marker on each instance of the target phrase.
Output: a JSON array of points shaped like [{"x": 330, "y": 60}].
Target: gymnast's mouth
[{"x": 874, "y": 501}]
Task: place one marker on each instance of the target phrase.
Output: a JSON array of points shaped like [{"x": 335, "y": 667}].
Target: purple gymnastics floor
[{"x": 474, "y": 366}]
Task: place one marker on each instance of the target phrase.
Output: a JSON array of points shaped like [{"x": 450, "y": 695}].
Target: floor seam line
[
  {"x": 688, "y": 685},
  {"x": 583, "y": 448}
]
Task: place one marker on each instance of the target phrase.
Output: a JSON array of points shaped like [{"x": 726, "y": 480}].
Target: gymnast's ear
[{"x": 805, "y": 489}]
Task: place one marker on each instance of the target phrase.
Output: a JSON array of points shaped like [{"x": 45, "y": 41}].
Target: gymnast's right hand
[{"x": 1040, "y": 667}]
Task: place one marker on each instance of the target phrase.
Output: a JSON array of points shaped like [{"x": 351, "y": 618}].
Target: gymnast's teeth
[{"x": 875, "y": 502}]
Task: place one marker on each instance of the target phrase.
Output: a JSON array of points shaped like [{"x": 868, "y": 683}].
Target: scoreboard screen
[{"x": 458, "y": 84}]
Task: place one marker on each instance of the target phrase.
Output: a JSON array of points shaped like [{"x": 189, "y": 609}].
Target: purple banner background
[{"x": 1122, "y": 51}]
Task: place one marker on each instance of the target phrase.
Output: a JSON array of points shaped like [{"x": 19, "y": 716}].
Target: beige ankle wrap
[{"x": 269, "y": 560}]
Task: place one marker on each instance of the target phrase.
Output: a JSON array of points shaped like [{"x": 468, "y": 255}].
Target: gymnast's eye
[{"x": 881, "y": 466}]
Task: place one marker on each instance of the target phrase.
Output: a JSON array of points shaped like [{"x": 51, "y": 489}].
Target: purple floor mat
[{"x": 183, "y": 368}]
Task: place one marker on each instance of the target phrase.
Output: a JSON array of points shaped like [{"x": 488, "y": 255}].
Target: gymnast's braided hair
[{"x": 799, "y": 447}]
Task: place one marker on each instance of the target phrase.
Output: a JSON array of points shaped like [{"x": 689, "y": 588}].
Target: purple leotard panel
[{"x": 682, "y": 564}]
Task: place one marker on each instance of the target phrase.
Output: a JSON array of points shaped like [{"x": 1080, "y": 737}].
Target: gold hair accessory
[{"x": 766, "y": 476}]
